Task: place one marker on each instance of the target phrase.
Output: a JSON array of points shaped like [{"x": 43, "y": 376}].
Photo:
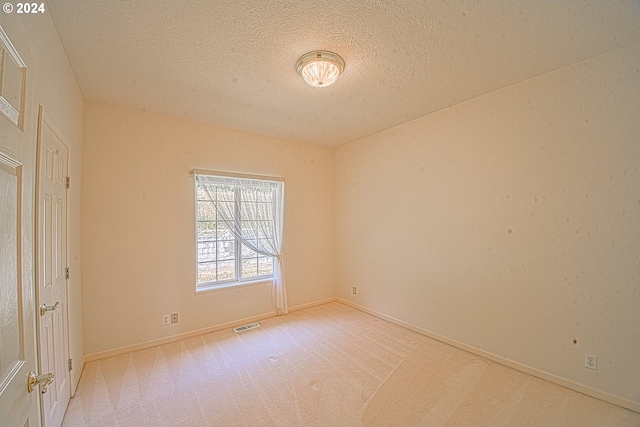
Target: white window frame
[{"x": 238, "y": 281}]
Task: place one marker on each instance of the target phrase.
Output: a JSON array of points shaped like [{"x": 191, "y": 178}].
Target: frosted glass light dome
[{"x": 320, "y": 68}]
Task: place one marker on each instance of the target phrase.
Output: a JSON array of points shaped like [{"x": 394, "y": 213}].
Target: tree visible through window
[{"x": 235, "y": 227}]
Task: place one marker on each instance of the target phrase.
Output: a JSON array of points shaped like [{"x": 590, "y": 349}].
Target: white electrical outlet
[
  {"x": 174, "y": 318},
  {"x": 354, "y": 290},
  {"x": 591, "y": 361},
  {"x": 166, "y": 319}
]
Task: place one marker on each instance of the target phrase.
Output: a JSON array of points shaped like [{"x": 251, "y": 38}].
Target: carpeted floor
[{"x": 323, "y": 366}]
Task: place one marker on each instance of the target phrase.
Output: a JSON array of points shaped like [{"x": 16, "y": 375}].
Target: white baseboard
[
  {"x": 498, "y": 359},
  {"x": 312, "y": 304},
  {"x": 76, "y": 378},
  {"x": 134, "y": 347},
  {"x": 228, "y": 325}
]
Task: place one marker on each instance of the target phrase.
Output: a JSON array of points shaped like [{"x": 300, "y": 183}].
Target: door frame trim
[{"x": 45, "y": 117}]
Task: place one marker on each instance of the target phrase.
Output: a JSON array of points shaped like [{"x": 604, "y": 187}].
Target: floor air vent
[{"x": 246, "y": 327}]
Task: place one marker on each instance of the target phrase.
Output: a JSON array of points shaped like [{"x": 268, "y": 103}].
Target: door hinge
[
  {"x": 66, "y": 272},
  {"x": 68, "y": 182},
  {"x": 71, "y": 364}
]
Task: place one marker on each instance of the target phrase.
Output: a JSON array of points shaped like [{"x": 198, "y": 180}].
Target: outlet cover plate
[
  {"x": 174, "y": 318},
  {"x": 166, "y": 319},
  {"x": 591, "y": 361}
]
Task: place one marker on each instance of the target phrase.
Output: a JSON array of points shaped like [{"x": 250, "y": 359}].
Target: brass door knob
[
  {"x": 44, "y": 380},
  {"x": 44, "y": 307}
]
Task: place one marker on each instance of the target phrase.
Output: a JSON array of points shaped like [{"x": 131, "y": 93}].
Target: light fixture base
[{"x": 320, "y": 68}]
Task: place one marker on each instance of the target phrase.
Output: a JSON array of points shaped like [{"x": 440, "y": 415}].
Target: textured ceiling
[{"x": 232, "y": 63}]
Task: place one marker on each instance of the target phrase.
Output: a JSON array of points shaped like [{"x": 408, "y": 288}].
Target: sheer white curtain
[{"x": 253, "y": 209}]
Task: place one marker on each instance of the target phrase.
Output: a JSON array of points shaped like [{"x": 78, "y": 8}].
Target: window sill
[{"x": 234, "y": 285}]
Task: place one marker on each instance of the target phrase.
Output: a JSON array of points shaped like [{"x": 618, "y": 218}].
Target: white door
[
  {"x": 18, "y": 407},
  {"x": 51, "y": 249}
]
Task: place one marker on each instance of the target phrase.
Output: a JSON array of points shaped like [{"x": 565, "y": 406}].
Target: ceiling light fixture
[{"x": 320, "y": 68}]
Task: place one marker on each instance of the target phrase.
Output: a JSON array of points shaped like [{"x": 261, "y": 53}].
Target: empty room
[{"x": 316, "y": 213}]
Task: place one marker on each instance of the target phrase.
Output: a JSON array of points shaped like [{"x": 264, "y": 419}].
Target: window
[{"x": 236, "y": 227}]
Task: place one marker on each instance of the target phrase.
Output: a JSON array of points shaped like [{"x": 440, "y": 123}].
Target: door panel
[
  {"x": 51, "y": 243},
  {"x": 10, "y": 330},
  {"x": 47, "y": 281},
  {"x": 16, "y": 405},
  {"x": 59, "y": 240},
  {"x": 48, "y": 355}
]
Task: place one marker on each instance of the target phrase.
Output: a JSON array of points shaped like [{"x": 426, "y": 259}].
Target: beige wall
[
  {"x": 51, "y": 83},
  {"x": 138, "y": 223},
  {"x": 510, "y": 223}
]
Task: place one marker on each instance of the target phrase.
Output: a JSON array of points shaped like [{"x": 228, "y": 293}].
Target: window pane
[
  {"x": 226, "y": 209},
  {"x": 265, "y": 266},
  {"x": 247, "y": 252},
  {"x": 249, "y": 210},
  {"x": 265, "y": 229},
  {"x": 207, "y": 272},
  {"x": 206, "y": 211},
  {"x": 225, "y": 194},
  {"x": 226, "y": 249},
  {"x": 264, "y": 211},
  {"x": 223, "y": 232},
  {"x": 248, "y": 229},
  {"x": 201, "y": 193},
  {"x": 248, "y": 194},
  {"x": 206, "y": 251},
  {"x": 206, "y": 230},
  {"x": 248, "y": 224},
  {"x": 263, "y": 195},
  {"x": 263, "y": 244},
  {"x": 226, "y": 270},
  {"x": 249, "y": 268}
]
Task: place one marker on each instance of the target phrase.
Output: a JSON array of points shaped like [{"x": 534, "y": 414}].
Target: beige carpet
[{"x": 324, "y": 366}]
